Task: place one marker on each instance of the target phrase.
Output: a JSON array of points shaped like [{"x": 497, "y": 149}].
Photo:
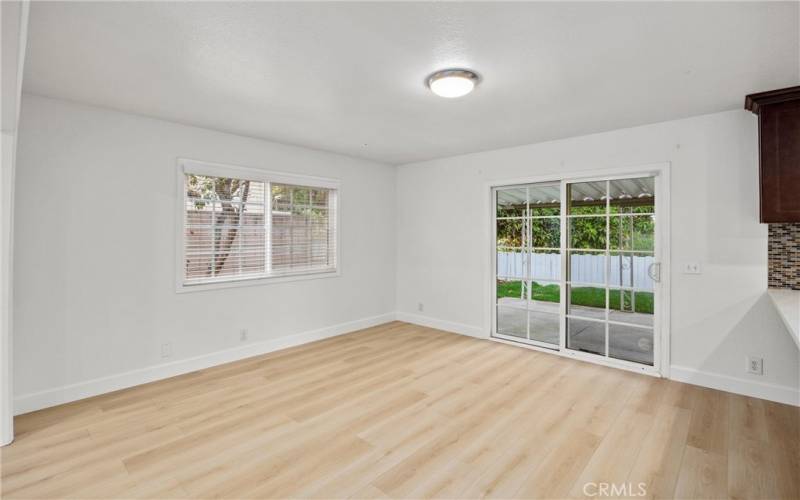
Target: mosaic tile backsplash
[{"x": 784, "y": 256}]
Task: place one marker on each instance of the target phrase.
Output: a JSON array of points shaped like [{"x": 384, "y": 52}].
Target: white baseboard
[
  {"x": 772, "y": 392},
  {"x": 73, "y": 392},
  {"x": 440, "y": 324}
]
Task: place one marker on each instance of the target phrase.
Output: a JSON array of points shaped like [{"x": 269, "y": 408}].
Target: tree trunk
[{"x": 228, "y": 213}]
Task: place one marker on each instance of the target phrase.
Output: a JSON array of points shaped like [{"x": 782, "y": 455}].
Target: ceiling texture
[{"x": 349, "y": 77}]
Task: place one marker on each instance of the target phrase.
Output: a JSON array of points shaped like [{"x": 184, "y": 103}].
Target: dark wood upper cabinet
[{"x": 778, "y": 152}]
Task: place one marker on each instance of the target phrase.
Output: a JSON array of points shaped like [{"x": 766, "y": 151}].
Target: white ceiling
[{"x": 349, "y": 77}]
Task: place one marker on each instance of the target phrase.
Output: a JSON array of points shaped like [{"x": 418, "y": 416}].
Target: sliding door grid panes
[
  {"x": 610, "y": 289},
  {"x": 242, "y": 226},
  {"x": 607, "y": 304},
  {"x": 529, "y": 262}
]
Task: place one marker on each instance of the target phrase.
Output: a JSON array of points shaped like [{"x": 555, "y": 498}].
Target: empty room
[{"x": 406, "y": 250}]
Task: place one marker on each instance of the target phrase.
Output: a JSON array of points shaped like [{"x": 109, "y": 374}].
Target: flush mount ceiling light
[{"x": 452, "y": 83}]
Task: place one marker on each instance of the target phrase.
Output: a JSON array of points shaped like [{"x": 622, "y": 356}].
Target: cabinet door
[{"x": 780, "y": 162}]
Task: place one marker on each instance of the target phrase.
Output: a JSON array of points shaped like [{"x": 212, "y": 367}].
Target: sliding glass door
[
  {"x": 528, "y": 256},
  {"x": 600, "y": 300}
]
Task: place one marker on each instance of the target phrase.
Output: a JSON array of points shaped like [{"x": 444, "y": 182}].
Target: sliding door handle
[{"x": 654, "y": 271}]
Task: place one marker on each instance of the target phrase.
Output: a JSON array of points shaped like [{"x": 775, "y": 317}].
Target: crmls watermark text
[{"x": 615, "y": 489}]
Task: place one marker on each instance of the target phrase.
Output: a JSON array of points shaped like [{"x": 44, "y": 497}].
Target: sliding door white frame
[{"x": 661, "y": 326}]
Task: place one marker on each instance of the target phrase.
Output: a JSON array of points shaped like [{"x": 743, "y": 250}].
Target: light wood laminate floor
[{"x": 404, "y": 411}]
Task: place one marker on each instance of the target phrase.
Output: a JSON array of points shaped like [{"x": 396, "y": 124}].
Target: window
[{"x": 247, "y": 225}]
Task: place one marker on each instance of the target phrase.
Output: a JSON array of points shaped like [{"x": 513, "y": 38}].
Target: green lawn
[{"x": 582, "y": 296}]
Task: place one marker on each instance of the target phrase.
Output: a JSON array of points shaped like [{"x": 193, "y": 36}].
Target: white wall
[
  {"x": 14, "y": 27},
  {"x": 95, "y": 253},
  {"x": 6, "y": 341},
  {"x": 717, "y": 318},
  {"x": 95, "y": 235}
]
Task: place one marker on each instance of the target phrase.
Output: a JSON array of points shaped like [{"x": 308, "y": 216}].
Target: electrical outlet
[
  {"x": 166, "y": 350},
  {"x": 243, "y": 335},
  {"x": 755, "y": 365},
  {"x": 420, "y": 307},
  {"x": 692, "y": 268}
]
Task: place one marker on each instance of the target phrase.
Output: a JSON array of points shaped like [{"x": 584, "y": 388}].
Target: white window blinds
[
  {"x": 302, "y": 228},
  {"x": 239, "y": 227}
]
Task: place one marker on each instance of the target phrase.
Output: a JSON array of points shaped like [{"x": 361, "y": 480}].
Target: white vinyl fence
[{"x": 585, "y": 268}]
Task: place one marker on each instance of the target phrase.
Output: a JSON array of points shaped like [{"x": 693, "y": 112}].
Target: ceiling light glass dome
[{"x": 451, "y": 83}]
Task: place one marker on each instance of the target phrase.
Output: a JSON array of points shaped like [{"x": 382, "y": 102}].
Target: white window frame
[{"x": 197, "y": 167}]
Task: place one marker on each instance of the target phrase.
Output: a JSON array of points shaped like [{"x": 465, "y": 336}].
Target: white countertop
[{"x": 787, "y": 302}]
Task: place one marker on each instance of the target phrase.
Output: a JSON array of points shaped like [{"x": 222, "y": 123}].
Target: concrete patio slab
[{"x": 625, "y": 342}]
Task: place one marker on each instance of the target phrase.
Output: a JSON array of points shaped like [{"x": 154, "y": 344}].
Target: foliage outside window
[{"x": 625, "y": 225}]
